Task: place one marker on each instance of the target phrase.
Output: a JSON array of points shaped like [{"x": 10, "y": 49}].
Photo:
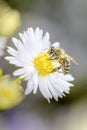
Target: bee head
[{"x": 51, "y": 50}]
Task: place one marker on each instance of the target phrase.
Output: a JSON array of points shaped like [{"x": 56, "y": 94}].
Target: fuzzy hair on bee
[{"x": 59, "y": 55}]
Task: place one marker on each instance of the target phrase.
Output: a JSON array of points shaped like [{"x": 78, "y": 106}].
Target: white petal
[
  {"x": 47, "y": 88},
  {"x": 29, "y": 71},
  {"x": 27, "y": 42},
  {"x": 19, "y": 72},
  {"x": 57, "y": 85},
  {"x": 65, "y": 83},
  {"x": 32, "y": 84},
  {"x": 31, "y": 33},
  {"x": 35, "y": 80},
  {"x": 9, "y": 58},
  {"x": 28, "y": 39},
  {"x": 42, "y": 88},
  {"x": 37, "y": 32},
  {"x": 29, "y": 88},
  {"x": 53, "y": 90},
  {"x": 13, "y": 60},
  {"x": 12, "y": 51},
  {"x": 46, "y": 42},
  {"x": 21, "y": 49},
  {"x": 16, "y": 42},
  {"x": 60, "y": 86},
  {"x": 67, "y": 77}
]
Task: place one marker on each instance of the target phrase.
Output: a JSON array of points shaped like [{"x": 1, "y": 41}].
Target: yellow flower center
[{"x": 43, "y": 65}]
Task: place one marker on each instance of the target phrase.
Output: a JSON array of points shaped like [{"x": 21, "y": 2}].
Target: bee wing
[
  {"x": 73, "y": 60},
  {"x": 56, "y": 44}
]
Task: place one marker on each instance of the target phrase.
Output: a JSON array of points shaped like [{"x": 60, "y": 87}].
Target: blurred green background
[{"x": 66, "y": 21}]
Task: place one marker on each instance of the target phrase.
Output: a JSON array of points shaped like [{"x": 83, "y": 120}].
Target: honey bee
[{"x": 58, "y": 54}]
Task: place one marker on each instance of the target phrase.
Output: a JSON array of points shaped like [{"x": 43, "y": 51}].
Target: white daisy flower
[
  {"x": 3, "y": 41},
  {"x": 35, "y": 66}
]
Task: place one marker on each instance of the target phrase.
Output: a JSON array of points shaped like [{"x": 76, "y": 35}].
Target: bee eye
[{"x": 52, "y": 50}]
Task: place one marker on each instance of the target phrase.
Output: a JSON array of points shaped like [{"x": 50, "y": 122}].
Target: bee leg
[
  {"x": 56, "y": 69},
  {"x": 52, "y": 58}
]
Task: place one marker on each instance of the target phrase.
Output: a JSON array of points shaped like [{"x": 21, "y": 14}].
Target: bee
[{"x": 59, "y": 55}]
